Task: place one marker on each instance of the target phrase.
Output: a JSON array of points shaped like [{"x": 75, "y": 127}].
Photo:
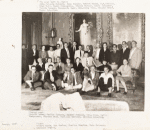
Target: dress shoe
[
  {"x": 82, "y": 92},
  {"x": 118, "y": 91},
  {"x": 125, "y": 93},
  {"x": 109, "y": 94}
]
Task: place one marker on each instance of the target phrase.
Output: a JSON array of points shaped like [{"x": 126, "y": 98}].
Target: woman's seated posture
[
  {"x": 90, "y": 81},
  {"x": 61, "y": 102},
  {"x": 51, "y": 80},
  {"x": 49, "y": 62},
  {"x": 65, "y": 79},
  {"x": 43, "y": 54},
  {"x": 51, "y": 53},
  {"x": 68, "y": 66},
  {"x": 106, "y": 82},
  {"x": 77, "y": 65},
  {"x": 124, "y": 74}
]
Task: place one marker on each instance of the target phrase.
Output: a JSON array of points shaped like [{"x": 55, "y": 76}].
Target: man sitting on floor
[
  {"x": 90, "y": 81},
  {"x": 86, "y": 60},
  {"x": 75, "y": 80},
  {"x": 106, "y": 82},
  {"x": 32, "y": 78},
  {"x": 51, "y": 79}
]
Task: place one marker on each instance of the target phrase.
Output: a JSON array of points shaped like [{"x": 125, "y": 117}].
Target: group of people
[{"x": 81, "y": 69}]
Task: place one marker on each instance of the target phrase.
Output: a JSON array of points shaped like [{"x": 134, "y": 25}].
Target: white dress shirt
[
  {"x": 68, "y": 54},
  {"x": 77, "y": 54},
  {"x": 97, "y": 53},
  {"x": 57, "y": 53},
  {"x": 106, "y": 77}
]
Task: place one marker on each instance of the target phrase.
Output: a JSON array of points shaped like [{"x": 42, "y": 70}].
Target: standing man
[
  {"x": 65, "y": 53},
  {"x": 72, "y": 51},
  {"x": 33, "y": 55},
  {"x": 79, "y": 53},
  {"x": 135, "y": 57},
  {"x": 32, "y": 78},
  {"x": 124, "y": 53}
]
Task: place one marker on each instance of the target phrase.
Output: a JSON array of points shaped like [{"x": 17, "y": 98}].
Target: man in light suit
[
  {"x": 79, "y": 53},
  {"x": 135, "y": 57},
  {"x": 75, "y": 80},
  {"x": 86, "y": 60},
  {"x": 32, "y": 78}
]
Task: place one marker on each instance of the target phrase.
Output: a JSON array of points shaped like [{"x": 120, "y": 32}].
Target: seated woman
[
  {"x": 65, "y": 79},
  {"x": 51, "y": 53},
  {"x": 61, "y": 102},
  {"x": 77, "y": 65},
  {"x": 90, "y": 81},
  {"x": 49, "y": 62},
  {"x": 68, "y": 66},
  {"x": 124, "y": 74},
  {"x": 43, "y": 54},
  {"x": 106, "y": 82}
]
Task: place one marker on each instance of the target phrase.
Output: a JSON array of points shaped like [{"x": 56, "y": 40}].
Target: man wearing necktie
[
  {"x": 75, "y": 80},
  {"x": 79, "y": 53},
  {"x": 65, "y": 53},
  {"x": 72, "y": 52}
]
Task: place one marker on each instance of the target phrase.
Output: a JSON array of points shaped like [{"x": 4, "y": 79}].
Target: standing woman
[
  {"x": 43, "y": 54},
  {"x": 104, "y": 53}
]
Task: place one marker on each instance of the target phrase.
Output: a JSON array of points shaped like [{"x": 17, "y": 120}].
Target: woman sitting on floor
[{"x": 123, "y": 74}]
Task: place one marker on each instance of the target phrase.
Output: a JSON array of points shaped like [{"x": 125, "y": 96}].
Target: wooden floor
[{"x": 31, "y": 100}]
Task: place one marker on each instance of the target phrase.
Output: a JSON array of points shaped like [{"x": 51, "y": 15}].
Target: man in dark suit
[
  {"x": 50, "y": 79},
  {"x": 33, "y": 55},
  {"x": 65, "y": 53},
  {"x": 60, "y": 68},
  {"x": 32, "y": 78},
  {"x": 72, "y": 52},
  {"x": 124, "y": 53},
  {"x": 75, "y": 80}
]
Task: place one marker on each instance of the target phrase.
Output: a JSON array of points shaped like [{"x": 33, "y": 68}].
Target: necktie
[
  {"x": 86, "y": 62},
  {"x": 80, "y": 53},
  {"x": 73, "y": 81},
  {"x": 68, "y": 53}
]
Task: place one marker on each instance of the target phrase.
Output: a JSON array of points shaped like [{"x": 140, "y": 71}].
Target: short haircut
[
  {"x": 124, "y": 42},
  {"x": 58, "y": 45},
  {"x": 115, "y": 45},
  {"x": 86, "y": 52},
  {"x": 59, "y": 57},
  {"x": 65, "y": 43},
  {"x": 32, "y": 45},
  {"x": 105, "y": 43},
  {"x": 107, "y": 68},
  {"x": 78, "y": 58},
  {"x": 33, "y": 66},
  {"x": 92, "y": 66},
  {"x": 80, "y": 45},
  {"x": 49, "y": 58},
  {"x": 67, "y": 58},
  {"x": 125, "y": 59},
  {"x": 134, "y": 42},
  {"x": 50, "y": 65}
]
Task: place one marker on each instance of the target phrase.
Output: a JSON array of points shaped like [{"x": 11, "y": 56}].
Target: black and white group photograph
[{"x": 83, "y": 61}]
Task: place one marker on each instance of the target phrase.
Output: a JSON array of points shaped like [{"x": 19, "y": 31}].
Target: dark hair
[
  {"x": 50, "y": 65},
  {"x": 125, "y": 59},
  {"x": 33, "y": 66},
  {"x": 105, "y": 43},
  {"x": 67, "y": 58},
  {"x": 115, "y": 45},
  {"x": 107, "y": 68},
  {"x": 59, "y": 57},
  {"x": 92, "y": 66},
  {"x": 49, "y": 58},
  {"x": 86, "y": 52},
  {"x": 51, "y": 46},
  {"x": 65, "y": 43},
  {"x": 124, "y": 42},
  {"x": 80, "y": 45},
  {"x": 78, "y": 58},
  {"x": 58, "y": 45},
  {"x": 134, "y": 42}
]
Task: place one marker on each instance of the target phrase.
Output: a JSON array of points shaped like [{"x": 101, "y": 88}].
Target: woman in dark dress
[
  {"x": 104, "y": 53},
  {"x": 77, "y": 65}
]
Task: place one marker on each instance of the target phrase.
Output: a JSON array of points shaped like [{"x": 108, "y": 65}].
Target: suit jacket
[
  {"x": 136, "y": 59},
  {"x": 43, "y": 54},
  {"x": 90, "y": 61},
  {"x": 79, "y": 67},
  {"x": 68, "y": 68},
  {"x": 95, "y": 80},
  {"x": 39, "y": 68},
  {"x": 28, "y": 76},
  {"x": 104, "y": 55},
  {"x": 72, "y": 53},
  {"x": 47, "y": 76},
  {"x": 64, "y": 55},
  {"x": 124, "y": 55},
  {"x": 31, "y": 57},
  {"x": 115, "y": 57},
  {"x": 60, "y": 69},
  {"x": 77, "y": 54},
  {"x": 77, "y": 78}
]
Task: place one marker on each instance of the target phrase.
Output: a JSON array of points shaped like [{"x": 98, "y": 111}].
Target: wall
[
  {"x": 60, "y": 22},
  {"x": 126, "y": 27}
]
